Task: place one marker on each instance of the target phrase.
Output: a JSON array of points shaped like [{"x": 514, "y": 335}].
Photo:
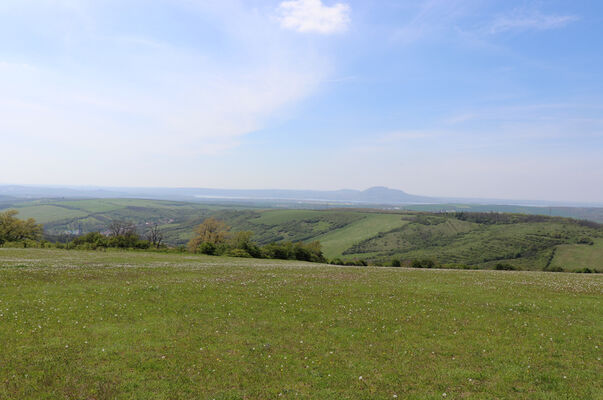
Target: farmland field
[
  {"x": 575, "y": 256},
  {"x": 104, "y": 325},
  {"x": 337, "y": 242}
]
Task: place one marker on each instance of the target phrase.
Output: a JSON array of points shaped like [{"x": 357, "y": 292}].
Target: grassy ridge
[
  {"x": 335, "y": 243},
  {"x": 49, "y": 213},
  {"x": 578, "y": 256},
  {"x": 132, "y": 325},
  {"x": 481, "y": 241},
  {"x": 525, "y": 244}
]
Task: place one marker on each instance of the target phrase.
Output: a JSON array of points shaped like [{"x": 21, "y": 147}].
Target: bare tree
[
  {"x": 155, "y": 236},
  {"x": 121, "y": 228}
]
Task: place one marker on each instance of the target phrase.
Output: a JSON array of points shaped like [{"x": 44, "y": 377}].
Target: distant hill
[
  {"x": 375, "y": 196},
  {"x": 479, "y": 240}
]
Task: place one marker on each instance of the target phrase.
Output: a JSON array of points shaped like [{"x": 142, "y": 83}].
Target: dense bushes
[
  {"x": 505, "y": 267},
  {"x": 13, "y": 229},
  {"x": 586, "y": 240},
  {"x": 213, "y": 237},
  {"x": 423, "y": 263},
  {"x": 491, "y": 218},
  {"x": 311, "y": 252},
  {"x": 96, "y": 240}
]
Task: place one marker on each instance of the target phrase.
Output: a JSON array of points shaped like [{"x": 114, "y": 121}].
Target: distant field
[
  {"x": 132, "y": 325},
  {"x": 337, "y": 242},
  {"x": 49, "y": 213},
  {"x": 577, "y": 256}
]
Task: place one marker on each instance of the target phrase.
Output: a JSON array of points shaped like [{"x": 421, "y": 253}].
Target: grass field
[
  {"x": 337, "y": 242},
  {"x": 578, "y": 256},
  {"x": 49, "y": 213},
  {"x": 134, "y": 325}
]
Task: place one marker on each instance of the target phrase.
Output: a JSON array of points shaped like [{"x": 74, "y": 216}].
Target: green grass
[
  {"x": 276, "y": 217},
  {"x": 135, "y": 325},
  {"x": 335, "y": 243},
  {"x": 49, "y": 213},
  {"x": 578, "y": 256},
  {"x": 450, "y": 241},
  {"x": 92, "y": 206}
]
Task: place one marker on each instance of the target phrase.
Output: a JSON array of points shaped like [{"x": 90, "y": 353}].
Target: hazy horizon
[
  {"x": 443, "y": 98},
  {"x": 433, "y": 199}
]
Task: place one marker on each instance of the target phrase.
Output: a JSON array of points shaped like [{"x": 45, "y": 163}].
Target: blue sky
[{"x": 471, "y": 98}]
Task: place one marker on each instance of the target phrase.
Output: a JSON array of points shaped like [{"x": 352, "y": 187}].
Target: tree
[
  {"x": 242, "y": 241},
  {"x": 123, "y": 234},
  {"x": 13, "y": 229},
  {"x": 155, "y": 236},
  {"x": 212, "y": 232},
  {"x": 121, "y": 228}
]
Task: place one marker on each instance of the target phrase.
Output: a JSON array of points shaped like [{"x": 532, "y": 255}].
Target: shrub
[
  {"x": 505, "y": 267},
  {"x": 424, "y": 263},
  {"x": 238, "y": 253},
  {"x": 586, "y": 240},
  {"x": 396, "y": 263},
  {"x": 13, "y": 229},
  {"x": 587, "y": 270},
  {"x": 207, "y": 248}
]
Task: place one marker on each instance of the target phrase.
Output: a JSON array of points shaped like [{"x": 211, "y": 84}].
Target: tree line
[{"x": 212, "y": 237}]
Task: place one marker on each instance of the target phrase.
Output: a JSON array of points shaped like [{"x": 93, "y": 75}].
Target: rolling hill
[{"x": 476, "y": 240}]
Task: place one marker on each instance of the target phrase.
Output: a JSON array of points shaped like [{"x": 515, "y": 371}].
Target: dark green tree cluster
[
  {"x": 213, "y": 237},
  {"x": 350, "y": 263},
  {"x": 13, "y": 229}
]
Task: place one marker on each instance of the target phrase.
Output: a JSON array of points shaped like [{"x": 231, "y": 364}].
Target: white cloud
[
  {"x": 521, "y": 20},
  {"x": 115, "y": 99},
  {"x": 313, "y": 16},
  {"x": 142, "y": 90}
]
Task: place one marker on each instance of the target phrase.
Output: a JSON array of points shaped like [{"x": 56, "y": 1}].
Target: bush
[
  {"x": 238, "y": 253},
  {"x": 587, "y": 271},
  {"x": 586, "y": 240},
  {"x": 356, "y": 263},
  {"x": 424, "y": 263},
  {"x": 553, "y": 269},
  {"x": 505, "y": 267},
  {"x": 396, "y": 263},
  {"x": 207, "y": 248},
  {"x": 311, "y": 252},
  {"x": 280, "y": 251}
]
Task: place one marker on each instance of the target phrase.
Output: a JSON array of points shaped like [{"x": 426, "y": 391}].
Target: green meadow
[
  {"x": 576, "y": 256},
  {"x": 141, "y": 325}
]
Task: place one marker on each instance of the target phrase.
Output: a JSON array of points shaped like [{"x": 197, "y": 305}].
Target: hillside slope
[{"x": 480, "y": 240}]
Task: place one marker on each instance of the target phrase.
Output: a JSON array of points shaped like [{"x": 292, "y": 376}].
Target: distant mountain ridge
[{"x": 378, "y": 195}]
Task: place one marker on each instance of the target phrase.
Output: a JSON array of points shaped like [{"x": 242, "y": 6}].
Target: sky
[{"x": 463, "y": 98}]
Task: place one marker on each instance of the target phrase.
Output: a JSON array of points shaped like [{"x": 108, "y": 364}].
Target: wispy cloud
[
  {"x": 136, "y": 90},
  {"x": 431, "y": 17},
  {"x": 521, "y": 20},
  {"x": 312, "y": 16}
]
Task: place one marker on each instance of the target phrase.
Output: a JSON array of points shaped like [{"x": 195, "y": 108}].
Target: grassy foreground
[{"x": 103, "y": 325}]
